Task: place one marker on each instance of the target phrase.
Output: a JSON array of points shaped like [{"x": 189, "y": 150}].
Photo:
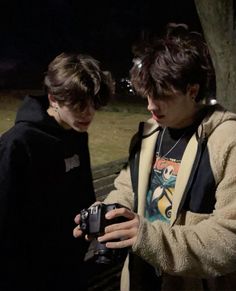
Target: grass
[
  {"x": 8, "y": 106},
  {"x": 109, "y": 134}
]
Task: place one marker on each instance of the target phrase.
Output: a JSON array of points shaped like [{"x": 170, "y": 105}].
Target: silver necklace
[{"x": 171, "y": 149}]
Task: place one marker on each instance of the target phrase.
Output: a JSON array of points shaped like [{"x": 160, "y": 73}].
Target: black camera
[{"x": 93, "y": 222}]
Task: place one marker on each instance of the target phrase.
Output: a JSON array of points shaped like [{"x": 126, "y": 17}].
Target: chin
[
  {"x": 162, "y": 124},
  {"x": 81, "y": 129}
]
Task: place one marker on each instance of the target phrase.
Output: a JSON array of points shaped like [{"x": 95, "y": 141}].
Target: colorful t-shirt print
[
  {"x": 162, "y": 185},
  {"x": 170, "y": 147}
]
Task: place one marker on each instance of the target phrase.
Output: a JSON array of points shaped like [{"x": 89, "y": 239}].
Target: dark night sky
[{"x": 34, "y": 31}]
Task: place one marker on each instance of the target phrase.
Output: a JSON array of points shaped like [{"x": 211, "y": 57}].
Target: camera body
[{"x": 93, "y": 222}]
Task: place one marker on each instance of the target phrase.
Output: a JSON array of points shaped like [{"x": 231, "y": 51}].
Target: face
[
  {"x": 177, "y": 110},
  {"x": 75, "y": 118}
]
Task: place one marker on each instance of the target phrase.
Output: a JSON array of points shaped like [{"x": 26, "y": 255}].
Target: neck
[
  {"x": 195, "y": 118},
  {"x": 56, "y": 115}
]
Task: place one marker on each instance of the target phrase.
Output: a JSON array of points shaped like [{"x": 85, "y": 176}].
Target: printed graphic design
[
  {"x": 160, "y": 194},
  {"x": 72, "y": 162}
]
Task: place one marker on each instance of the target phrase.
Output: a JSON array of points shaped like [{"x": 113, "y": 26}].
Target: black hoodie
[{"x": 45, "y": 180}]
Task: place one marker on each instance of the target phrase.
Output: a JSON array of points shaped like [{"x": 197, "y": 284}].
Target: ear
[
  {"x": 192, "y": 90},
  {"x": 52, "y": 101}
]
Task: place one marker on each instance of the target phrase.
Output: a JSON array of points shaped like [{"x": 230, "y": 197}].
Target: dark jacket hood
[{"x": 34, "y": 110}]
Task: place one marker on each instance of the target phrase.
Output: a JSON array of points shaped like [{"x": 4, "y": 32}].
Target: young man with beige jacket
[{"x": 180, "y": 182}]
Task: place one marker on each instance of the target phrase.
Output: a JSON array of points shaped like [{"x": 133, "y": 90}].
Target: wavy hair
[
  {"x": 172, "y": 62},
  {"x": 78, "y": 79}
]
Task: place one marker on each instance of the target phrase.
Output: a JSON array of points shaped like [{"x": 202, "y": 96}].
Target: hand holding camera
[
  {"x": 114, "y": 226},
  {"x": 93, "y": 220},
  {"x": 121, "y": 235}
]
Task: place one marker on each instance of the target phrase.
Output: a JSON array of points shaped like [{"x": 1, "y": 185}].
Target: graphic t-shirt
[{"x": 169, "y": 151}]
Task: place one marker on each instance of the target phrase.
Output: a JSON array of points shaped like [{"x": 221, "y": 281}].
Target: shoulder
[
  {"x": 218, "y": 123},
  {"x": 223, "y": 124},
  {"x": 14, "y": 151},
  {"x": 222, "y": 142},
  {"x": 12, "y": 141},
  {"x": 17, "y": 133},
  {"x": 22, "y": 137}
]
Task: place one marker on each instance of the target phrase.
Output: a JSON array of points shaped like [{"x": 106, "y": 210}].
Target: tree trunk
[{"x": 218, "y": 19}]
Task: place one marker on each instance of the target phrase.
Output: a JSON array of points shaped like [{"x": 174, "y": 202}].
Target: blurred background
[{"x": 33, "y": 32}]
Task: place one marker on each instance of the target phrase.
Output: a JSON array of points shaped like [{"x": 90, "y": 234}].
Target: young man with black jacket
[{"x": 45, "y": 178}]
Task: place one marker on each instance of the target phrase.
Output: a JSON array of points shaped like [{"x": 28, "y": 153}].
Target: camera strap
[{"x": 134, "y": 162}]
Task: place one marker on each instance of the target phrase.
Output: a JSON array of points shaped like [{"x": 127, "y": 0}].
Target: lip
[
  {"x": 157, "y": 117},
  {"x": 82, "y": 123}
]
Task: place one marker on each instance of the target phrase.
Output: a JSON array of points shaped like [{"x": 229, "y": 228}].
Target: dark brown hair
[
  {"x": 78, "y": 79},
  {"x": 172, "y": 62}
]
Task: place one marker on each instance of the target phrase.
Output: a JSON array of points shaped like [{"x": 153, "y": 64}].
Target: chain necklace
[{"x": 171, "y": 149}]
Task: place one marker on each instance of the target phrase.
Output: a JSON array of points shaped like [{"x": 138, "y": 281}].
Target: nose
[
  {"x": 152, "y": 104},
  {"x": 89, "y": 110}
]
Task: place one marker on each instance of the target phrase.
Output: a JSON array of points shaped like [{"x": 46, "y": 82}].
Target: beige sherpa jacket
[{"x": 197, "y": 251}]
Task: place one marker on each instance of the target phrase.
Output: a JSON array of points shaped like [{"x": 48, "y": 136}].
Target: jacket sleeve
[
  {"x": 123, "y": 193},
  {"x": 206, "y": 245},
  {"x": 13, "y": 166}
]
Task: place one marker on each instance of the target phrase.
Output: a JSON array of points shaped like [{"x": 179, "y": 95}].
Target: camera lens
[{"x": 103, "y": 254}]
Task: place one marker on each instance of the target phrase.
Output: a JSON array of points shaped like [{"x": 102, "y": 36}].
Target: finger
[
  {"x": 120, "y": 244},
  {"x": 77, "y": 232},
  {"x": 122, "y": 226},
  {"x": 117, "y": 235},
  {"x": 77, "y": 219},
  {"x": 120, "y": 212}
]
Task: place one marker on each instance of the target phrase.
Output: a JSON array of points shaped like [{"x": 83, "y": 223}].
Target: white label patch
[{"x": 72, "y": 162}]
